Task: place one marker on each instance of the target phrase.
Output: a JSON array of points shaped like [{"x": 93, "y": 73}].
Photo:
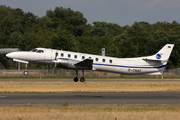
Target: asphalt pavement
[{"x": 90, "y": 98}]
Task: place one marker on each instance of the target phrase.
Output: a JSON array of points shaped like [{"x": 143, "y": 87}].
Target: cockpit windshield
[
  {"x": 37, "y": 50},
  {"x": 34, "y": 50},
  {"x": 40, "y": 51}
]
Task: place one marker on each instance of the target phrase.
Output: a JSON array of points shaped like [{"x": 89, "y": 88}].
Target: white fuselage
[{"x": 67, "y": 59}]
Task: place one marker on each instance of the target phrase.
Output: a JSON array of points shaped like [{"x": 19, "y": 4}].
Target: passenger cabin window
[
  {"x": 40, "y": 51},
  {"x": 97, "y": 59},
  {"x": 110, "y": 61},
  {"x": 75, "y": 56},
  {"x": 103, "y": 60},
  {"x": 34, "y": 50},
  {"x": 83, "y": 57},
  {"x": 62, "y": 55},
  {"x": 69, "y": 55}
]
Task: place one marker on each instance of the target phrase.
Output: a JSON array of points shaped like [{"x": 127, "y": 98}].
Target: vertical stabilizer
[{"x": 163, "y": 54}]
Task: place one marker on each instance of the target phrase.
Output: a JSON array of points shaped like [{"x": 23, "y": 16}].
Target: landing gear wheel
[
  {"x": 75, "y": 79},
  {"x": 25, "y": 73},
  {"x": 82, "y": 79}
]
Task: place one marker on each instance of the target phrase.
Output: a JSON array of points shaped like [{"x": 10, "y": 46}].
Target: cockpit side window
[
  {"x": 34, "y": 50},
  {"x": 40, "y": 51}
]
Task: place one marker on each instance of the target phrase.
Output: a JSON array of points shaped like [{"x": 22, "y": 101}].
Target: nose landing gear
[{"x": 25, "y": 71}]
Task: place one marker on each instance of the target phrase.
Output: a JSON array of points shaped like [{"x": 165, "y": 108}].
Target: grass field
[
  {"x": 93, "y": 112},
  {"x": 88, "y": 112},
  {"x": 44, "y": 86}
]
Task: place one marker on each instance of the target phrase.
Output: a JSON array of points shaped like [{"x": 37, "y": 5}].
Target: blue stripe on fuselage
[{"x": 129, "y": 66}]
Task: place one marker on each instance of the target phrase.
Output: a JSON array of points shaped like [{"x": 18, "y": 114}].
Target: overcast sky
[{"x": 122, "y": 12}]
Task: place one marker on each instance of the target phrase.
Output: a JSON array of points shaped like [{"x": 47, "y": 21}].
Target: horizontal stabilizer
[
  {"x": 151, "y": 59},
  {"x": 86, "y": 64}
]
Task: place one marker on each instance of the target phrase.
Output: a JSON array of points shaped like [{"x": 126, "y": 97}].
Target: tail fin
[
  {"x": 160, "y": 59},
  {"x": 162, "y": 55}
]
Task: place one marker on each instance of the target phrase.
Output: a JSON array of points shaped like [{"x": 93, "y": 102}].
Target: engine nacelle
[
  {"x": 60, "y": 60},
  {"x": 64, "y": 63}
]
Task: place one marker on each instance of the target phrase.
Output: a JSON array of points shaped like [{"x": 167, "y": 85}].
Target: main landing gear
[{"x": 81, "y": 79}]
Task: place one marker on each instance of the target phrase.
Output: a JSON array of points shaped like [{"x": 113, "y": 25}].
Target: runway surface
[{"x": 89, "y": 98}]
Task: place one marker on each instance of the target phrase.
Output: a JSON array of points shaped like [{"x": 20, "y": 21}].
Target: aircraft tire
[
  {"x": 25, "y": 73},
  {"x": 75, "y": 79},
  {"x": 82, "y": 79}
]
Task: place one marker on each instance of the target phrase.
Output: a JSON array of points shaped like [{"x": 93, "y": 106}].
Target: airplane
[{"x": 148, "y": 65}]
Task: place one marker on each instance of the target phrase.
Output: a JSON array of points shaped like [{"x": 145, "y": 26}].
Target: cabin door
[{"x": 48, "y": 56}]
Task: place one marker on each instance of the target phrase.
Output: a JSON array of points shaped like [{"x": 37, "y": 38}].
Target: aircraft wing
[
  {"x": 86, "y": 64},
  {"x": 8, "y": 50}
]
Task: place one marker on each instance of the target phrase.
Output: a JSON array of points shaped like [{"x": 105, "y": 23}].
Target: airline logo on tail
[{"x": 158, "y": 56}]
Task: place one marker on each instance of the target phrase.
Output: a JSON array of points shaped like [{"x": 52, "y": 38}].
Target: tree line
[{"x": 63, "y": 28}]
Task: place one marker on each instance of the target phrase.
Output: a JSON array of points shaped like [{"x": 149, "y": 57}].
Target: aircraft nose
[{"x": 10, "y": 55}]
